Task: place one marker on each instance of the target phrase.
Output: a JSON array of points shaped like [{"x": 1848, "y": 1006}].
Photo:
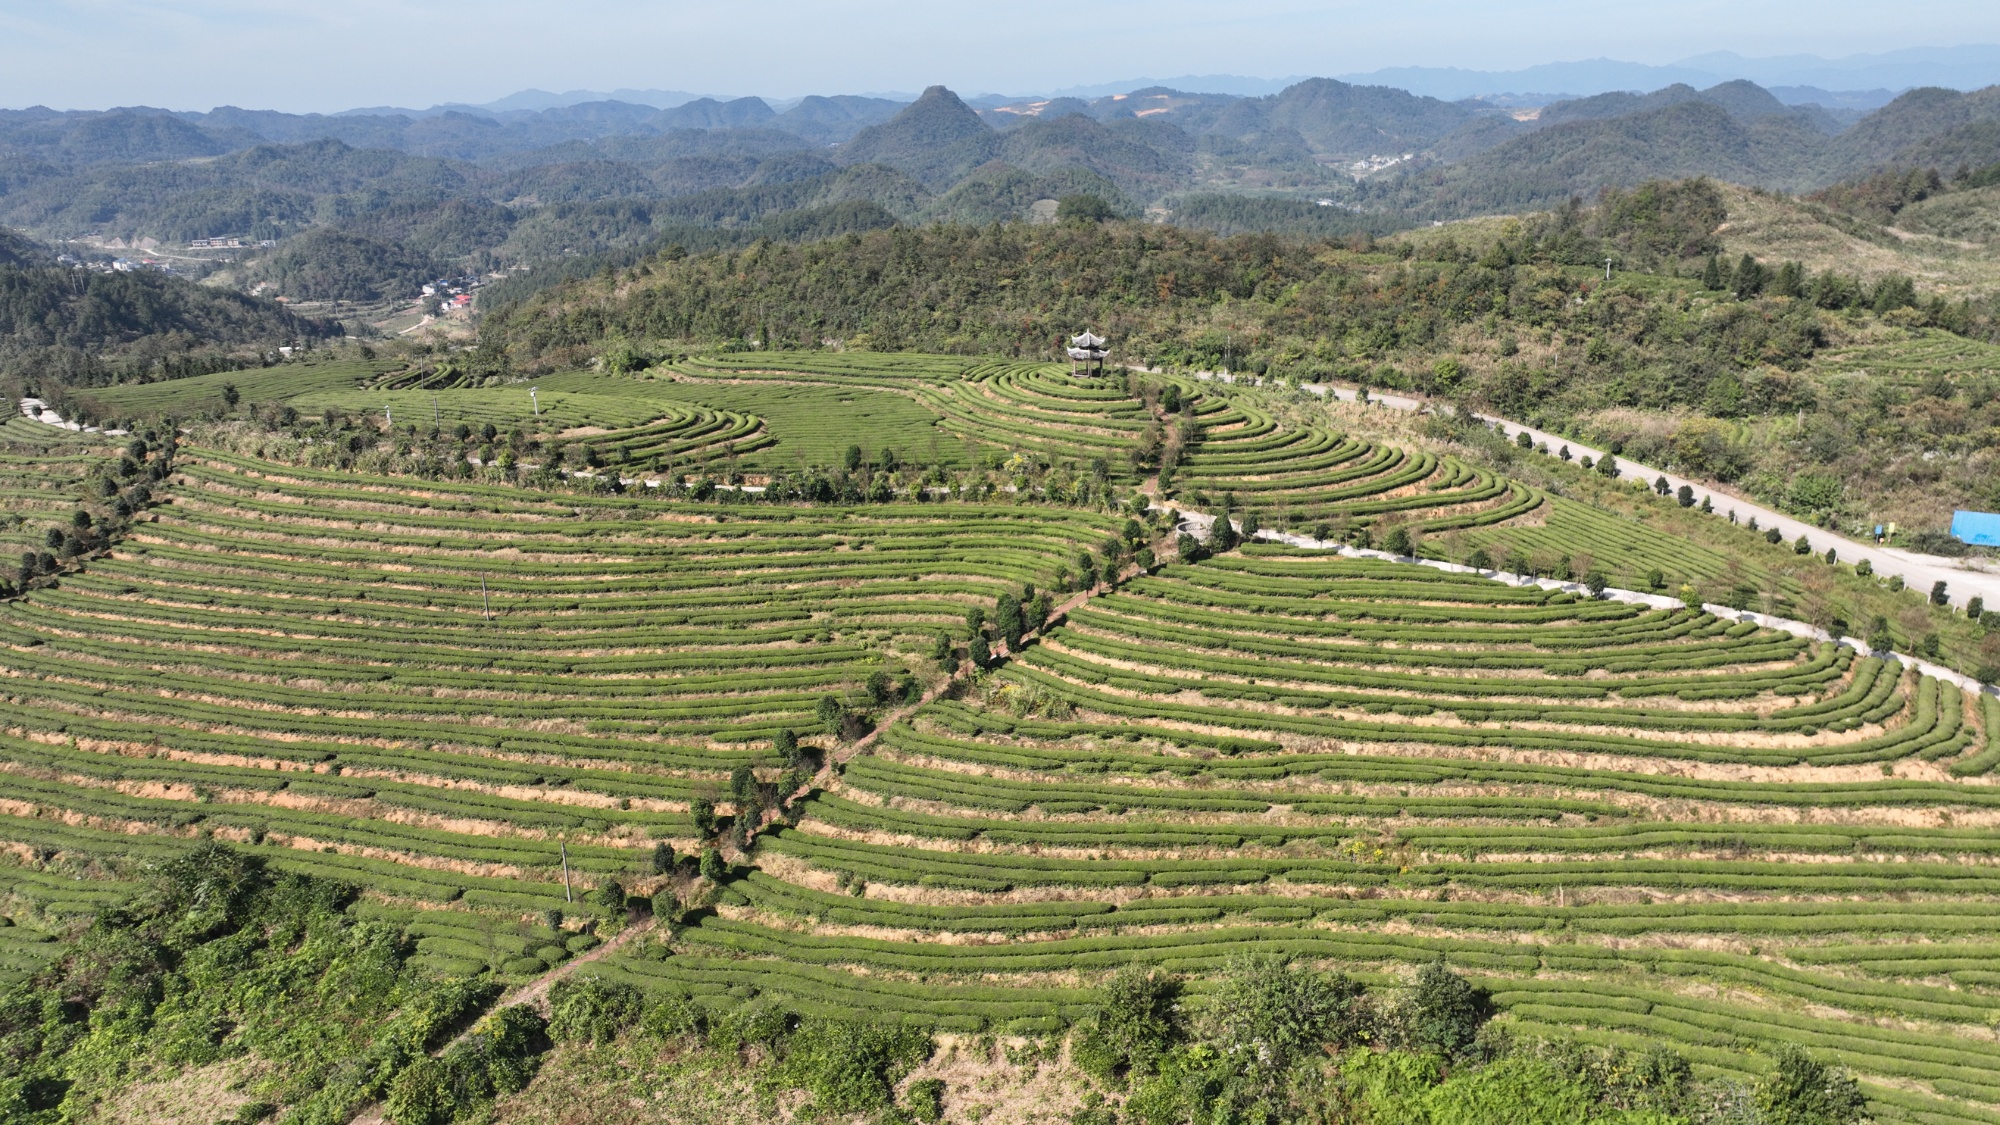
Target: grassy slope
[{"x": 1776, "y": 228}]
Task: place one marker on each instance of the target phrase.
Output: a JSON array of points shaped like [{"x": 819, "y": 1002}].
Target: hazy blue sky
[{"x": 335, "y": 54}]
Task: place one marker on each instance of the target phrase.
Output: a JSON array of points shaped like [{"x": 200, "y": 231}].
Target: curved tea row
[
  {"x": 1631, "y": 824},
  {"x": 438, "y": 689}
]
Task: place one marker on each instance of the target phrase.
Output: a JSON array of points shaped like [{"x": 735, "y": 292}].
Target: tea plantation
[{"x": 943, "y": 738}]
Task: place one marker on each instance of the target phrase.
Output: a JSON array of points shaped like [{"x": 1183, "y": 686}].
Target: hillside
[
  {"x": 1736, "y": 132},
  {"x": 1509, "y": 314},
  {"x": 574, "y": 188},
  {"x": 1933, "y": 252},
  {"x": 68, "y": 325},
  {"x": 937, "y": 777}
]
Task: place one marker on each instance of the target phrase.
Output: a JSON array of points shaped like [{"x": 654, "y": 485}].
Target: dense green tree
[{"x": 1444, "y": 1012}]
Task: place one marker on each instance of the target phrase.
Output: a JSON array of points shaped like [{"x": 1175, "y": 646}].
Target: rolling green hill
[
  {"x": 64, "y": 325},
  {"x": 836, "y": 792}
]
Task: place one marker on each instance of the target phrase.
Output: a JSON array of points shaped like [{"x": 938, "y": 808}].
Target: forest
[{"x": 81, "y": 327}]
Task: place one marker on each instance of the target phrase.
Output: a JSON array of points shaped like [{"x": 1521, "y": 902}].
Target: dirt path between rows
[{"x": 536, "y": 992}]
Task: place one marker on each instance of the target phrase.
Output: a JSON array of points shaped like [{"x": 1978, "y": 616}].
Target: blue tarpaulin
[{"x": 1981, "y": 529}]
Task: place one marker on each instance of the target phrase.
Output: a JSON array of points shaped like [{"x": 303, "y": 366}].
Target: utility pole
[
  {"x": 535, "y": 402},
  {"x": 1607, "y": 269},
  {"x": 485, "y": 607},
  {"x": 435, "y": 416},
  {"x": 567, "y": 896},
  {"x": 390, "y": 416}
]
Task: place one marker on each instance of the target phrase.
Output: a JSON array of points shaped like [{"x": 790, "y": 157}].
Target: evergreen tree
[{"x": 1750, "y": 278}]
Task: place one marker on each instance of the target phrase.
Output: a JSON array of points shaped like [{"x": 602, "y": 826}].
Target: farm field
[
  {"x": 520, "y": 713},
  {"x": 508, "y": 406},
  {"x": 1629, "y": 824},
  {"x": 809, "y": 425},
  {"x": 199, "y": 393},
  {"x": 1236, "y": 456},
  {"x": 426, "y": 691}
]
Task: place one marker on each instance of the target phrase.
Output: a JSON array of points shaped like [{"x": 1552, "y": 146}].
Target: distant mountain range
[
  {"x": 480, "y": 188},
  {"x": 1853, "y": 82},
  {"x": 1959, "y": 68}
]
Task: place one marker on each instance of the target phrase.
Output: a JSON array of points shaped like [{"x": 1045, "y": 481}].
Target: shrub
[
  {"x": 1685, "y": 496},
  {"x": 663, "y": 858},
  {"x": 1136, "y": 1023},
  {"x": 1801, "y": 1090},
  {"x": 851, "y": 1067},
  {"x": 673, "y": 1017},
  {"x": 712, "y": 867},
  {"x": 1268, "y": 1013},
  {"x": 422, "y": 1094},
  {"x": 1802, "y": 547},
  {"x": 1773, "y": 535},
  {"x": 1397, "y": 542},
  {"x": 1479, "y": 559},
  {"x": 1939, "y": 596},
  {"x": 1975, "y": 608},
  {"x": 1864, "y": 568},
  {"x": 759, "y": 1022},
  {"x": 593, "y": 1011},
  {"x": 925, "y": 1098}
]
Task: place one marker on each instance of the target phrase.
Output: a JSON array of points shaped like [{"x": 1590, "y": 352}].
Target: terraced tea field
[
  {"x": 1243, "y": 459},
  {"x": 434, "y": 691},
  {"x": 1631, "y": 824},
  {"x": 485, "y": 703},
  {"x": 807, "y": 425}
]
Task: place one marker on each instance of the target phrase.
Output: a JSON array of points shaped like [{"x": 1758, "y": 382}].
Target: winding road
[{"x": 1964, "y": 579}]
